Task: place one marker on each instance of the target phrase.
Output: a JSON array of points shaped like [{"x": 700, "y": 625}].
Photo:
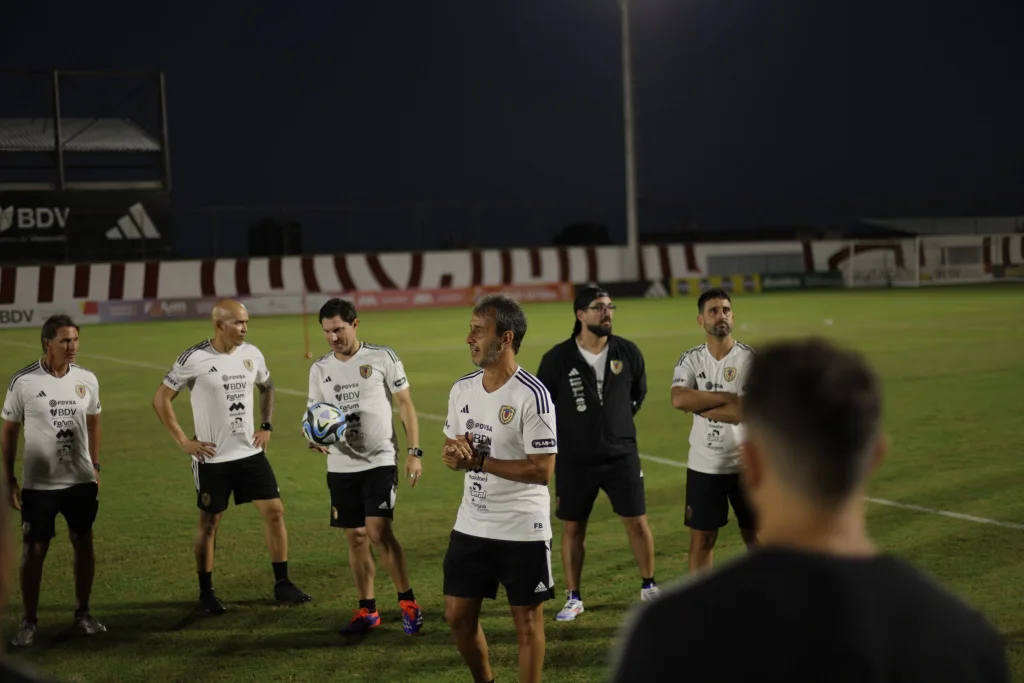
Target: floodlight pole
[{"x": 631, "y": 266}]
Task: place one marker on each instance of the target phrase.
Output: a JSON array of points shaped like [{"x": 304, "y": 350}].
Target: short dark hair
[
  {"x": 338, "y": 307},
  {"x": 822, "y": 405},
  {"x": 708, "y": 295},
  {"x": 54, "y": 323},
  {"x": 508, "y": 316}
]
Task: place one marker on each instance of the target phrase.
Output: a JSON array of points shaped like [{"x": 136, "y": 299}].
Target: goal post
[
  {"x": 881, "y": 263},
  {"x": 920, "y": 261}
]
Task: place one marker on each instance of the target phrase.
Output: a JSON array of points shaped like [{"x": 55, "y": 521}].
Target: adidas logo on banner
[
  {"x": 135, "y": 225},
  {"x": 656, "y": 291}
]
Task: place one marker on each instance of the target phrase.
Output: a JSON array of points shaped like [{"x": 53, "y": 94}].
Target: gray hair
[{"x": 508, "y": 316}]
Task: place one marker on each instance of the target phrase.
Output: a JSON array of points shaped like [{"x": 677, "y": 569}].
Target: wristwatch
[
  {"x": 266, "y": 427},
  {"x": 96, "y": 466},
  {"x": 416, "y": 452}
]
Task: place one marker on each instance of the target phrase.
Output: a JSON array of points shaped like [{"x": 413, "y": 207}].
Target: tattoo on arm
[{"x": 267, "y": 400}]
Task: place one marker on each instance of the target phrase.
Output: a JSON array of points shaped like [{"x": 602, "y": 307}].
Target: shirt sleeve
[
  {"x": 180, "y": 375},
  {"x": 94, "y": 400},
  {"x": 684, "y": 374},
  {"x": 262, "y": 371},
  {"x": 539, "y": 428},
  {"x": 394, "y": 375},
  {"x": 638, "y": 391},
  {"x": 548, "y": 374},
  {"x": 316, "y": 394},
  {"x": 14, "y": 407},
  {"x": 451, "y": 423}
]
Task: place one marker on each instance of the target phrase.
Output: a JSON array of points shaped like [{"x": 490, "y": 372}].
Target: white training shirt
[
  {"x": 221, "y": 385},
  {"x": 598, "y": 361},
  {"x": 361, "y": 388},
  {"x": 53, "y": 412},
  {"x": 515, "y": 420},
  {"x": 714, "y": 446}
]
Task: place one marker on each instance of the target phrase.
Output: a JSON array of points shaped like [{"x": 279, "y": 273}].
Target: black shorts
[
  {"x": 358, "y": 495},
  {"x": 79, "y": 505},
  {"x": 250, "y": 478},
  {"x": 707, "y": 501},
  {"x": 474, "y": 566},
  {"x": 576, "y": 487}
]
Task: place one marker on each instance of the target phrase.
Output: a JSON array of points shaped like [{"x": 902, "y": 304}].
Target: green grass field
[{"x": 953, "y": 367}]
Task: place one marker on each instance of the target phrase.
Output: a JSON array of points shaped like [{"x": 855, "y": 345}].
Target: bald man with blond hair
[{"x": 228, "y": 453}]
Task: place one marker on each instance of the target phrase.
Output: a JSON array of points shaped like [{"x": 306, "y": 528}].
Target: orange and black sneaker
[
  {"x": 363, "y": 621},
  {"x": 412, "y": 616}
]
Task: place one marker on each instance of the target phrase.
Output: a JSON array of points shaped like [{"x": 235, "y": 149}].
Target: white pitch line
[{"x": 653, "y": 458}]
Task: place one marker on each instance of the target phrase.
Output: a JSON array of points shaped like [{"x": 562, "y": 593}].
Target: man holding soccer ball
[{"x": 360, "y": 380}]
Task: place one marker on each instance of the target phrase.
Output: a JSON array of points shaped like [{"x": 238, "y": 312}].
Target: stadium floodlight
[{"x": 631, "y": 267}]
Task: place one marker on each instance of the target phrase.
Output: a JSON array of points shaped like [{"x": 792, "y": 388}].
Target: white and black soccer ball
[{"x": 323, "y": 424}]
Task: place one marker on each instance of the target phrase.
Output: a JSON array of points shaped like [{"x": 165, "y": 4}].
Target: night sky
[{"x": 754, "y": 107}]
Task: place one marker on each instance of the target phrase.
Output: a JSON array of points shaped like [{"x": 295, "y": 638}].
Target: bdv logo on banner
[{"x": 91, "y": 226}]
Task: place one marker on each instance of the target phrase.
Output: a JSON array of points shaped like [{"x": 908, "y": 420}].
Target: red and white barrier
[{"x": 72, "y": 285}]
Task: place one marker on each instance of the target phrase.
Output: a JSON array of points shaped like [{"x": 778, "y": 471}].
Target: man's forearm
[
  {"x": 694, "y": 401},
  {"x": 522, "y": 471},
  {"x": 9, "y": 447},
  {"x": 94, "y": 443},
  {"x": 411, "y": 424},
  {"x": 165, "y": 411},
  {"x": 267, "y": 398},
  {"x": 729, "y": 413}
]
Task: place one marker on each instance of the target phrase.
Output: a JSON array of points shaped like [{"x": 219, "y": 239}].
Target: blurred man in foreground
[{"x": 817, "y": 602}]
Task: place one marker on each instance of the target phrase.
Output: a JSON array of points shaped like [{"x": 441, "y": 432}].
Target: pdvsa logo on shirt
[{"x": 472, "y": 424}]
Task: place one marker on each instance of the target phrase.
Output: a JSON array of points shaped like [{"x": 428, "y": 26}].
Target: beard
[
  {"x": 489, "y": 355},
  {"x": 719, "y": 330},
  {"x": 602, "y": 329}
]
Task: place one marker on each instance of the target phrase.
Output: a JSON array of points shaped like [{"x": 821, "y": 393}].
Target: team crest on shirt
[
  {"x": 80, "y": 390},
  {"x": 729, "y": 374},
  {"x": 248, "y": 364},
  {"x": 365, "y": 371},
  {"x": 616, "y": 366},
  {"x": 506, "y": 414},
  {"x": 206, "y": 499}
]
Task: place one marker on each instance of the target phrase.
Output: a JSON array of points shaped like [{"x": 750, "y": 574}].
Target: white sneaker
[
  {"x": 88, "y": 625},
  {"x": 572, "y": 609},
  {"x": 650, "y": 594},
  {"x": 26, "y": 634}
]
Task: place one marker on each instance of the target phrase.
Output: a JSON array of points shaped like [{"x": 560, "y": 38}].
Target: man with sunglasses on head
[{"x": 598, "y": 383}]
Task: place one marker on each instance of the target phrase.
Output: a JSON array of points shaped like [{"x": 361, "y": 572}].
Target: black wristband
[
  {"x": 267, "y": 427},
  {"x": 480, "y": 463}
]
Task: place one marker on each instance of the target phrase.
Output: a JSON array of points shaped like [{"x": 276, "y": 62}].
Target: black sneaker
[
  {"x": 286, "y": 591},
  {"x": 211, "y": 603}
]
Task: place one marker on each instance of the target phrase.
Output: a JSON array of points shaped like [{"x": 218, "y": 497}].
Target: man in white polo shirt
[
  {"x": 708, "y": 381},
  {"x": 59, "y": 404},
  {"x": 501, "y": 431}
]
